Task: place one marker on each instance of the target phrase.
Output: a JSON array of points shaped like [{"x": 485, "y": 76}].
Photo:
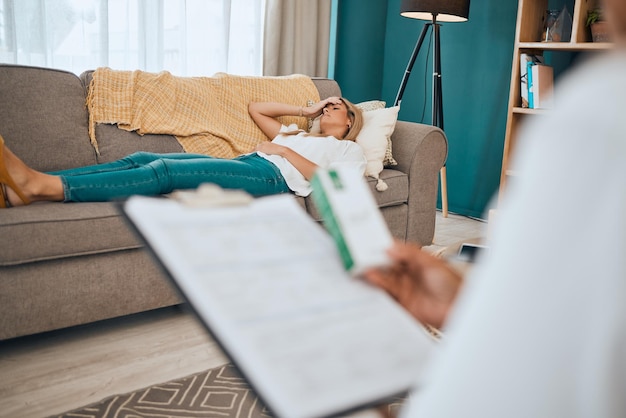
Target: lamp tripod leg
[
  {"x": 409, "y": 67},
  {"x": 444, "y": 191},
  {"x": 437, "y": 111}
]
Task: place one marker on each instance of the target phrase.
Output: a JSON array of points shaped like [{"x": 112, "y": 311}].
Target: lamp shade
[{"x": 445, "y": 10}]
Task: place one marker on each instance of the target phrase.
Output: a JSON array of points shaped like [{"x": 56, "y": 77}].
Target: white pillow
[
  {"x": 374, "y": 105},
  {"x": 378, "y": 125}
]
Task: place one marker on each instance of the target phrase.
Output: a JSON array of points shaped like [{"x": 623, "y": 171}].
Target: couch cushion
[
  {"x": 115, "y": 143},
  {"x": 43, "y": 117},
  {"x": 59, "y": 230},
  {"x": 326, "y": 87},
  {"x": 397, "y": 194}
]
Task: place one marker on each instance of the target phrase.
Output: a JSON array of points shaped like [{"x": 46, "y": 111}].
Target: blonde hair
[{"x": 355, "y": 115}]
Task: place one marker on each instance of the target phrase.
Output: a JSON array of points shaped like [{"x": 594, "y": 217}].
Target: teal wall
[
  {"x": 373, "y": 46},
  {"x": 360, "y": 48}
]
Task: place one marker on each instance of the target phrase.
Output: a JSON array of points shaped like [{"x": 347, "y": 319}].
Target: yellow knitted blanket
[{"x": 207, "y": 115}]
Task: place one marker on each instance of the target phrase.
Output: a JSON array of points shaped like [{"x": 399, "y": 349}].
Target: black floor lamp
[{"x": 434, "y": 11}]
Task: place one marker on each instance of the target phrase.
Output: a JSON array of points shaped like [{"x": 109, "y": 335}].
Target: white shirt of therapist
[{"x": 540, "y": 329}]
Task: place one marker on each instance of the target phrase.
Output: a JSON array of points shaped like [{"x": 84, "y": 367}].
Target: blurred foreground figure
[{"x": 538, "y": 329}]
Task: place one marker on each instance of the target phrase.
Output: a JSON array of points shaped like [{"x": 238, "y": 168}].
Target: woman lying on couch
[{"x": 286, "y": 164}]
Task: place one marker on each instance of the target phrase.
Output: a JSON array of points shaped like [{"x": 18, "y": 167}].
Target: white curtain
[
  {"x": 185, "y": 37},
  {"x": 296, "y": 38}
]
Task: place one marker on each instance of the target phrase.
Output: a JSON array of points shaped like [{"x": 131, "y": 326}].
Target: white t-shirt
[
  {"x": 327, "y": 152},
  {"x": 540, "y": 329}
]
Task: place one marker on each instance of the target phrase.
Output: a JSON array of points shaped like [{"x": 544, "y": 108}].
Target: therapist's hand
[{"x": 424, "y": 285}]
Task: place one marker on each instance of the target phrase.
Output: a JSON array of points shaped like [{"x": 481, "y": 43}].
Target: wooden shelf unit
[{"x": 530, "y": 16}]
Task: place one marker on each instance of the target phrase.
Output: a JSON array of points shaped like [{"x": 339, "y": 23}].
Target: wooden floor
[{"x": 56, "y": 372}]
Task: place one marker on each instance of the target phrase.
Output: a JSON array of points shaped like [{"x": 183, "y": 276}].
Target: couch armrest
[{"x": 420, "y": 150}]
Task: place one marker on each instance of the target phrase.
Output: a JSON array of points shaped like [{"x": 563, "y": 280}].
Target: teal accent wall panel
[
  {"x": 476, "y": 59},
  {"x": 360, "y": 44}
]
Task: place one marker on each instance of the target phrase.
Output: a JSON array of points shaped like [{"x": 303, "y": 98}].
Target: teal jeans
[{"x": 149, "y": 174}]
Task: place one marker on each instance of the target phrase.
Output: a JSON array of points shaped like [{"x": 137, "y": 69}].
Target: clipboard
[{"x": 269, "y": 285}]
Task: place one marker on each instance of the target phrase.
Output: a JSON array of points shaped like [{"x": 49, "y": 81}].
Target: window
[{"x": 185, "y": 37}]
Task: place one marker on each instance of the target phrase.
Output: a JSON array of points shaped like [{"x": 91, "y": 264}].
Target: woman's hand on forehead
[{"x": 333, "y": 100}]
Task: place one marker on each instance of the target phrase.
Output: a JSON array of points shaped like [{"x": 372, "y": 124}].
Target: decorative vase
[{"x": 600, "y": 32}]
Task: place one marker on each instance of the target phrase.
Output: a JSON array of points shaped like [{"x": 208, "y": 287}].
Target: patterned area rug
[{"x": 219, "y": 392}]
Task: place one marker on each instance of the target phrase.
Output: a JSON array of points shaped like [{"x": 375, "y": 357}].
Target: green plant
[{"x": 594, "y": 15}]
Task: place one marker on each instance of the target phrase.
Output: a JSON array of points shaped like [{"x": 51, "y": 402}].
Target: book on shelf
[
  {"x": 542, "y": 86},
  {"x": 268, "y": 282},
  {"x": 527, "y": 61}
]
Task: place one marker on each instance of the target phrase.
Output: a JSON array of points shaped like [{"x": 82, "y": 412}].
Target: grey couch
[{"x": 64, "y": 264}]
